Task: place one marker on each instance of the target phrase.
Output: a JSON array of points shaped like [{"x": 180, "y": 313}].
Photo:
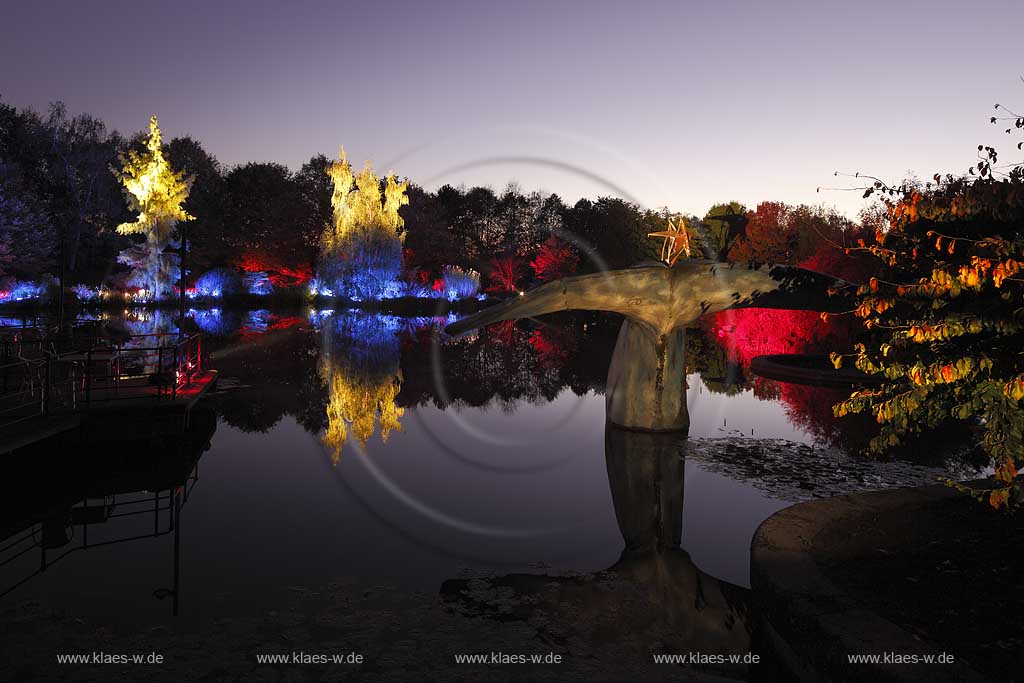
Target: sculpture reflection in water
[
  {"x": 359, "y": 367},
  {"x": 654, "y": 597},
  {"x": 115, "y": 492}
]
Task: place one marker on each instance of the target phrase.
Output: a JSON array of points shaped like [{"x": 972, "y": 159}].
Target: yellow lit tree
[
  {"x": 361, "y": 250},
  {"x": 156, "y": 192}
]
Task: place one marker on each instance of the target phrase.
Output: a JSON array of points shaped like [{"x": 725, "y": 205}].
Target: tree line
[{"x": 60, "y": 204}]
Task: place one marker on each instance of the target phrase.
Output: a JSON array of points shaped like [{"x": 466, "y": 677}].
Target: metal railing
[
  {"x": 39, "y": 376},
  {"x": 23, "y": 390}
]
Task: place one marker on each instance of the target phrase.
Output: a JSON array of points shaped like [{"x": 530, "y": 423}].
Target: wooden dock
[{"x": 127, "y": 389}]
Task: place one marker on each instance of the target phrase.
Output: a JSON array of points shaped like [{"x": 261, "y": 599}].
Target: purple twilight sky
[{"x": 673, "y": 103}]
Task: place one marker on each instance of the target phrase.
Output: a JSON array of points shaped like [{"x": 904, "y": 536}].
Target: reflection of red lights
[
  {"x": 504, "y": 333},
  {"x": 552, "y": 345},
  {"x": 273, "y": 323},
  {"x": 749, "y": 332}
]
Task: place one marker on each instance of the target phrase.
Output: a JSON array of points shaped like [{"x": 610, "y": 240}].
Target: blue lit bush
[
  {"x": 21, "y": 290},
  {"x": 460, "y": 284},
  {"x": 369, "y": 270},
  {"x": 420, "y": 290},
  {"x": 86, "y": 294},
  {"x": 257, "y": 282},
  {"x": 218, "y": 283}
]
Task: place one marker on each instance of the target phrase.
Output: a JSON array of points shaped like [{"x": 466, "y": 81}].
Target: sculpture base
[{"x": 646, "y": 388}]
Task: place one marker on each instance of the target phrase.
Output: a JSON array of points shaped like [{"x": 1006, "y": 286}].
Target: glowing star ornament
[
  {"x": 677, "y": 242},
  {"x": 156, "y": 192}
]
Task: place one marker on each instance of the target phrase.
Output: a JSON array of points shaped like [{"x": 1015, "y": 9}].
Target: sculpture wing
[{"x": 666, "y": 298}]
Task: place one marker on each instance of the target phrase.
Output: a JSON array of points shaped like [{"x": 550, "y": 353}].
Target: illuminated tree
[
  {"x": 361, "y": 250},
  {"x": 555, "y": 259},
  {"x": 946, "y": 315},
  {"x": 768, "y": 236},
  {"x": 156, "y": 192},
  {"x": 504, "y": 272}
]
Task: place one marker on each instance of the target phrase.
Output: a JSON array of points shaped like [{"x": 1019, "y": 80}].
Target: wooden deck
[{"x": 36, "y": 429}]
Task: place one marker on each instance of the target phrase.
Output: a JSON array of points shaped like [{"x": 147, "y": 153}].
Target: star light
[{"x": 677, "y": 242}]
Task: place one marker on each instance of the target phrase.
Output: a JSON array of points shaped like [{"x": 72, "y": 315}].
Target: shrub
[
  {"x": 460, "y": 284},
  {"x": 257, "y": 282},
  {"x": 219, "y": 282}
]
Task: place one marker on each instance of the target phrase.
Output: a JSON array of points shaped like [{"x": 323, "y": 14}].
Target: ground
[
  {"x": 403, "y": 636},
  {"x": 950, "y": 573}
]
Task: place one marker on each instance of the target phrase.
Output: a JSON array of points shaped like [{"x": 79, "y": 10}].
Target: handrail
[{"x": 30, "y": 387}]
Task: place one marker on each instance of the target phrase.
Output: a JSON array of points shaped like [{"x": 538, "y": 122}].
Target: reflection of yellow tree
[{"x": 356, "y": 397}]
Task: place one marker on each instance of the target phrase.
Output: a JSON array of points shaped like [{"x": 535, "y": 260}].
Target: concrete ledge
[{"x": 810, "y": 623}]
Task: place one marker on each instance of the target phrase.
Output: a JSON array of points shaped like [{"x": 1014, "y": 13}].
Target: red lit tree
[
  {"x": 554, "y": 259},
  {"x": 504, "y": 272}
]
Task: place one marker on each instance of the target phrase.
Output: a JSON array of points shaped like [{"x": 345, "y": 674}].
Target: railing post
[
  {"x": 46, "y": 387},
  {"x": 174, "y": 377},
  {"x": 159, "y": 369},
  {"x": 88, "y": 377}
]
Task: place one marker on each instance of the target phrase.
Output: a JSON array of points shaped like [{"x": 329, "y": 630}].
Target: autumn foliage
[
  {"x": 555, "y": 259},
  {"x": 504, "y": 272},
  {"x": 947, "y": 320}
]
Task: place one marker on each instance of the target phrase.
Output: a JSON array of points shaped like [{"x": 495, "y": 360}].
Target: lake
[{"x": 378, "y": 449}]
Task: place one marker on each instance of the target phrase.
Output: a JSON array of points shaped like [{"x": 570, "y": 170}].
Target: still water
[{"x": 371, "y": 447}]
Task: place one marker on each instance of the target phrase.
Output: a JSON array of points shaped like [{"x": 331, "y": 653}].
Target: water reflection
[
  {"x": 654, "y": 592},
  {"x": 115, "y": 491},
  {"x": 359, "y": 365},
  {"x": 349, "y": 375},
  {"x": 577, "y": 537}
]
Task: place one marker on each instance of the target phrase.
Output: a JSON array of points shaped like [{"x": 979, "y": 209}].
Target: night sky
[{"x": 675, "y": 103}]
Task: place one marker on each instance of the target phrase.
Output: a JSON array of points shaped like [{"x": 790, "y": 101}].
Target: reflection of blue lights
[
  {"x": 371, "y": 337},
  {"x": 143, "y": 322},
  {"x": 317, "y": 317},
  {"x": 211, "y": 321},
  {"x": 258, "y": 320}
]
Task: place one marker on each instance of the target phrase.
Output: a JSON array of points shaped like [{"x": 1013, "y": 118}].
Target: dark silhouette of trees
[
  {"x": 205, "y": 203},
  {"x": 723, "y": 225}
]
